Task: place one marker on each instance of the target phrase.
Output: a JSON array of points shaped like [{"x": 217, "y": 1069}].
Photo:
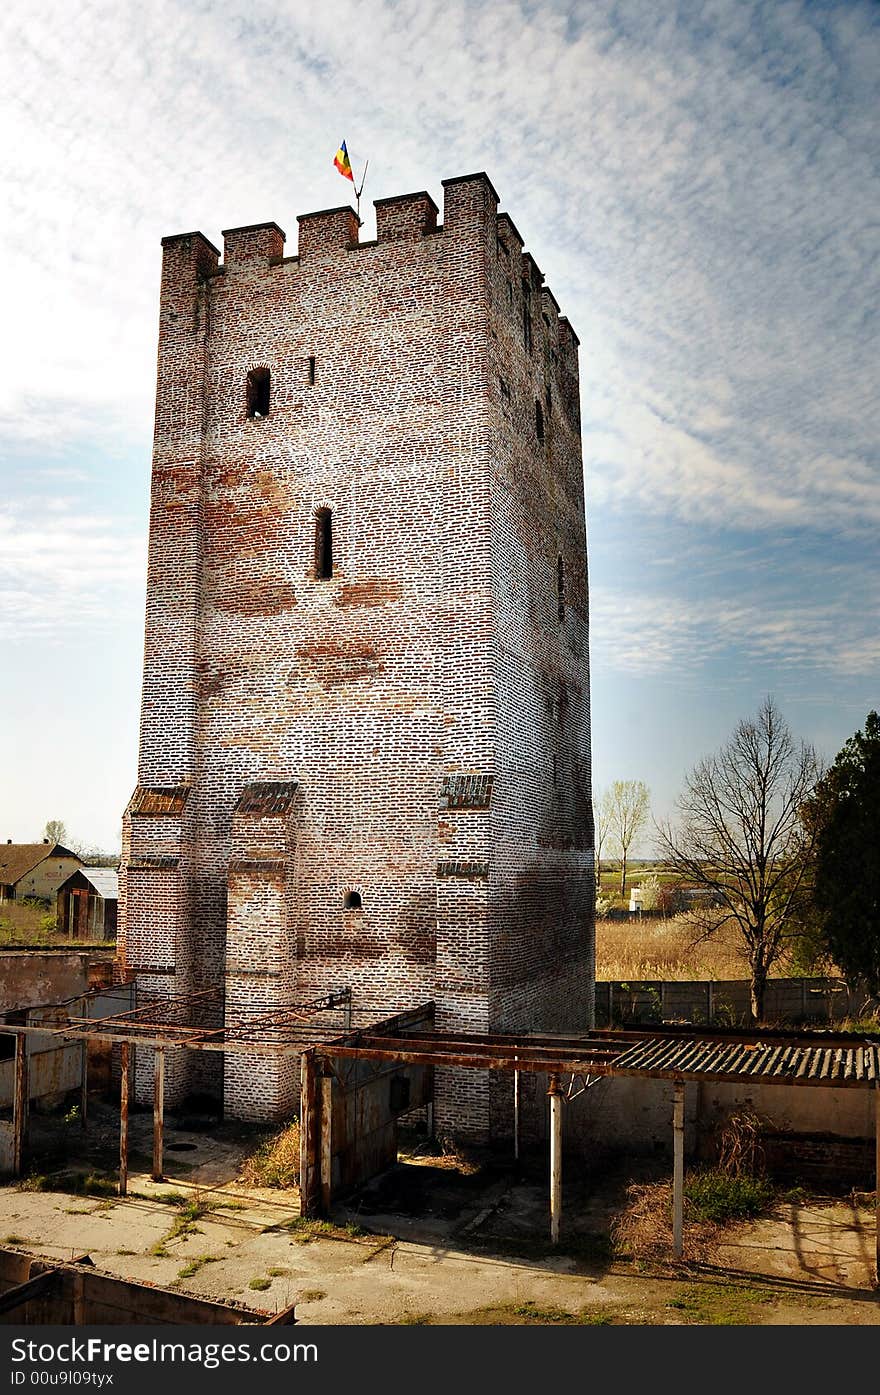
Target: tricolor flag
[{"x": 342, "y": 162}]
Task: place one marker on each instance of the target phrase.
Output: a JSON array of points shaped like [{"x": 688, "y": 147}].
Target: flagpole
[{"x": 359, "y": 191}]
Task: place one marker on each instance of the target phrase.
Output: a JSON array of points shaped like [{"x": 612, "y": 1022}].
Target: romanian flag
[{"x": 342, "y": 162}]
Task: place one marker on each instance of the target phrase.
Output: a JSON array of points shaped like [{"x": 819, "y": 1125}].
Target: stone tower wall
[{"x": 419, "y": 699}]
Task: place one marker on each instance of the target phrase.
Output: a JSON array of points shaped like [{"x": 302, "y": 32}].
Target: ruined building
[{"x": 364, "y": 746}]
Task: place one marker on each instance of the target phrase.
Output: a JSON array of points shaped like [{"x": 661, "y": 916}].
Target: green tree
[
  {"x": 741, "y": 837},
  {"x": 625, "y": 807},
  {"x": 846, "y": 883}
]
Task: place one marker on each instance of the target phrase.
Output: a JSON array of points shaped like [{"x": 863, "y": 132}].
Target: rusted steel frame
[
  {"x": 326, "y": 1142},
  {"x": 124, "y": 1081},
  {"x": 451, "y": 1042},
  {"x": 389, "y": 1026},
  {"x": 158, "y": 1112},
  {"x": 308, "y": 1134},
  {"x": 556, "y": 1099},
  {"x": 578, "y": 1041},
  {"x": 284, "y": 1018},
  {"x": 678, "y": 1170},
  {"x": 463, "y": 1060},
  {"x": 182, "y": 1001},
  {"x": 20, "y": 1105},
  {"x": 258, "y": 1047},
  {"x": 84, "y": 1083}
]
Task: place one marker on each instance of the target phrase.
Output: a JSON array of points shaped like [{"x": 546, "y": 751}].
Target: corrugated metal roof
[
  {"x": 105, "y": 881},
  {"x": 768, "y": 1061}
]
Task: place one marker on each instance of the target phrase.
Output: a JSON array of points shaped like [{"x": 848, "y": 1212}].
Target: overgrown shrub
[
  {"x": 275, "y": 1163},
  {"x": 714, "y": 1195}
]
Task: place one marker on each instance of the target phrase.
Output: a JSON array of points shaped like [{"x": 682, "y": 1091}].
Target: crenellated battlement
[{"x": 470, "y": 208}]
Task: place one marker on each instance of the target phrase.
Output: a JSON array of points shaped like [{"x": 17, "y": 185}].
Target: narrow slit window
[
  {"x": 527, "y": 317},
  {"x": 560, "y": 587},
  {"x": 539, "y": 422},
  {"x": 312, "y": 371},
  {"x": 259, "y": 389},
  {"x": 323, "y": 544},
  {"x": 353, "y": 901}
]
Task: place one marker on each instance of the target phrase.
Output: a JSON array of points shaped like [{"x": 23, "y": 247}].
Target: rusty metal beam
[
  {"x": 158, "y": 1112},
  {"x": 326, "y": 1143},
  {"x": 530, "y": 1051},
  {"x": 308, "y": 1128},
  {"x": 461, "y": 1060},
  {"x": 20, "y": 1106},
  {"x": 124, "y": 1053},
  {"x": 678, "y": 1170}
]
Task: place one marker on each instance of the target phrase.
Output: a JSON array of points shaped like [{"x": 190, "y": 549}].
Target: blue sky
[{"x": 699, "y": 184}]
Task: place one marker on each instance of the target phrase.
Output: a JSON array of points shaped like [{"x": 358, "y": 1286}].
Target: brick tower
[{"x": 365, "y": 743}]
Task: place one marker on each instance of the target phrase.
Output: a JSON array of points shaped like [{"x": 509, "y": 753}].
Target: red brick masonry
[{"x": 419, "y": 719}]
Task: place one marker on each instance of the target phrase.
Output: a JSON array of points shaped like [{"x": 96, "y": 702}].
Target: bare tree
[
  {"x": 600, "y": 826},
  {"x": 626, "y": 804},
  {"x": 740, "y": 837},
  {"x": 55, "y": 831}
]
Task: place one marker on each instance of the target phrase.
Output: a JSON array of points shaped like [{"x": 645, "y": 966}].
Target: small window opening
[
  {"x": 323, "y": 544},
  {"x": 259, "y": 387},
  {"x": 539, "y": 422},
  {"x": 312, "y": 371},
  {"x": 353, "y": 901},
  {"x": 505, "y": 390},
  {"x": 527, "y": 317},
  {"x": 560, "y": 587}
]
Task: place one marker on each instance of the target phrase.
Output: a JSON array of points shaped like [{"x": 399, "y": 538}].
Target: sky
[{"x": 698, "y": 181}]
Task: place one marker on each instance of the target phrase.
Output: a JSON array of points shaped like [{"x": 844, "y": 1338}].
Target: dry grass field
[{"x": 645, "y": 948}]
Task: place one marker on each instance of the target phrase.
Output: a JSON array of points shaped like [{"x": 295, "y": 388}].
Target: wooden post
[
  {"x": 516, "y": 1114},
  {"x": 158, "y": 1112},
  {"x": 124, "y": 1053},
  {"x": 678, "y": 1170},
  {"x": 326, "y": 1142},
  {"x": 84, "y": 1085},
  {"x": 429, "y": 1118},
  {"x": 20, "y": 1105},
  {"x": 555, "y": 1158},
  {"x": 307, "y": 1127}
]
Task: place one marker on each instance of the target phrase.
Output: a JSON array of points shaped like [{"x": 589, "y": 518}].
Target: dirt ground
[{"x": 434, "y": 1240}]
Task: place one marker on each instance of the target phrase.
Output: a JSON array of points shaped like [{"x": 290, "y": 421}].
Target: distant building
[
  {"x": 87, "y": 904},
  {"x": 34, "y": 869}
]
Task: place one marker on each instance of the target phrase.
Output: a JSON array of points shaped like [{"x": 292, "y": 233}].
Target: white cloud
[
  {"x": 653, "y": 633},
  {"x": 62, "y": 570},
  {"x": 699, "y": 188}
]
